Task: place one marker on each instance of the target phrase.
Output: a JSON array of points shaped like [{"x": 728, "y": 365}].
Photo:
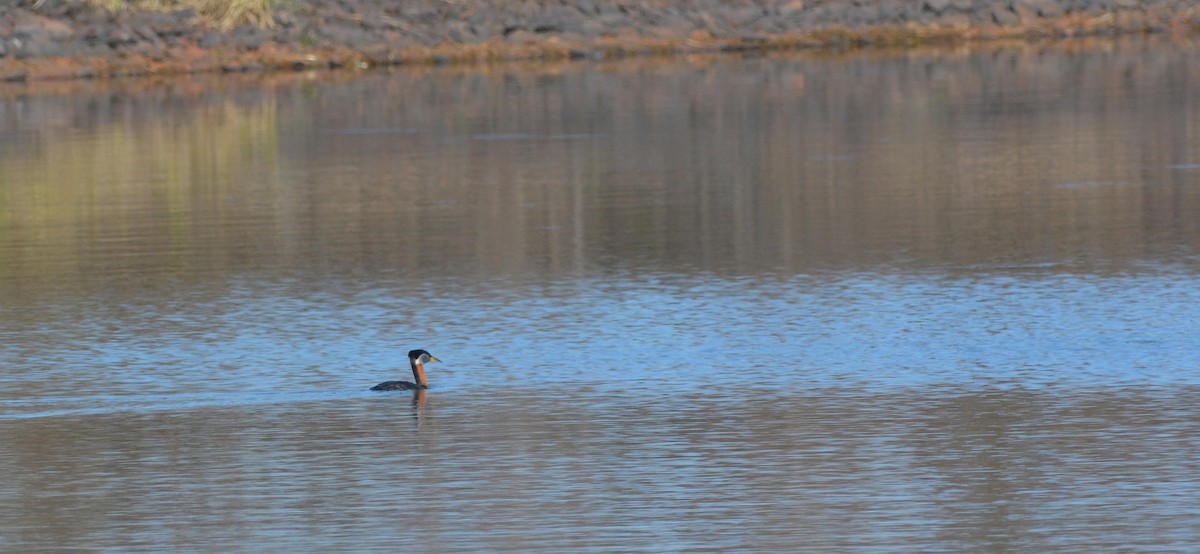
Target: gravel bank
[{"x": 70, "y": 39}]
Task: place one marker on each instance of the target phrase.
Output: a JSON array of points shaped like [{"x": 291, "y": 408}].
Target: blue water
[{"x": 868, "y": 331}]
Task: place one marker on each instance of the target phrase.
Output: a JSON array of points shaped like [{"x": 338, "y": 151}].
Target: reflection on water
[{"x": 921, "y": 302}]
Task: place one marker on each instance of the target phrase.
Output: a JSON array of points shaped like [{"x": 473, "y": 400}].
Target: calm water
[{"x": 921, "y": 302}]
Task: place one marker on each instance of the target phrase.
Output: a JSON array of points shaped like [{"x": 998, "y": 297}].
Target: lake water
[{"x": 931, "y": 301}]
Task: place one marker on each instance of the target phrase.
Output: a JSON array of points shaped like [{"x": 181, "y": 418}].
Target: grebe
[{"x": 417, "y": 359}]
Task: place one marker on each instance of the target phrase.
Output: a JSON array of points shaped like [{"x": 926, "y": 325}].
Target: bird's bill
[{"x": 433, "y": 359}]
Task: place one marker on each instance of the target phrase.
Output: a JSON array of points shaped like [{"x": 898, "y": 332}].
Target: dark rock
[
  {"x": 184, "y": 16},
  {"x": 174, "y": 31},
  {"x": 557, "y": 19},
  {"x": 247, "y": 38},
  {"x": 120, "y": 36},
  {"x": 1045, "y": 8},
  {"x": 211, "y": 40},
  {"x": 936, "y": 6}
]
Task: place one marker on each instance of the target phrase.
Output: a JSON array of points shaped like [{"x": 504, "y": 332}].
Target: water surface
[{"x": 933, "y": 301}]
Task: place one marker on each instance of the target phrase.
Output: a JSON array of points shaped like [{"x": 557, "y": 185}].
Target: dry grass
[{"x": 223, "y": 14}]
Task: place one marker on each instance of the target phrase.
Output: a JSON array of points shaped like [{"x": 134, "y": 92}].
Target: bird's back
[{"x": 395, "y": 385}]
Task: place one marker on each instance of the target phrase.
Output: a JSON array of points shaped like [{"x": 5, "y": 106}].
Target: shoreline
[{"x": 61, "y": 39}]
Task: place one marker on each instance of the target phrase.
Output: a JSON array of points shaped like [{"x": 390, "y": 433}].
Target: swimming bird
[{"x": 417, "y": 359}]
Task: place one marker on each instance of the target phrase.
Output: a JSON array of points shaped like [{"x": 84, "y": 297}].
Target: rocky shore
[{"x": 57, "y": 39}]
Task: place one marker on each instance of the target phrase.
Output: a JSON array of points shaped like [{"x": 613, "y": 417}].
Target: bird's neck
[{"x": 419, "y": 373}]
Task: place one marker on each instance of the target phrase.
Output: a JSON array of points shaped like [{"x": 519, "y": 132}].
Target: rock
[
  {"x": 211, "y": 40},
  {"x": 557, "y": 19},
  {"x": 1045, "y": 8},
  {"x": 233, "y": 68},
  {"x": 791, "y": 8},
  {"x": 156, "y": 52},
  {"x": 38, "y": 47},
  {"x": 148, "y": 34},
  {"x": 461, "y": 31},
  {"x": 1004, "y": 16},
  {"x": 31, "y": 26},
  {"x": 347, "y": 34},
  {"x": 593, "y": 28},
  {"x": 1026, "y": 14},
  {"x": 743, "y": 16},
  {"x": 51, "y": 7},
  {"x": 607, "y": 8},
  {"x": 888, "y": 11},
  {"x": 119, "y": 37},
  {"x": 706, "y": 22},
  {"x": 936, "y": 6},
  {"x": 248, "y": 38},
  {"x": 184, "y": 16},
  {"x": 864, "y": 15}
]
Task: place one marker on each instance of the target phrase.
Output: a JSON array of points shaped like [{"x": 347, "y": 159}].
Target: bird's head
[{"x": 421, "y": 357}]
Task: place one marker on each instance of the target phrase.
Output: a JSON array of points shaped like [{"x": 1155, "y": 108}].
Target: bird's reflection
[{"x": 418, "y": 408}]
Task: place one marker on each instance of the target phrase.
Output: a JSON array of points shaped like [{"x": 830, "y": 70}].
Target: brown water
[{"x": 934, "y": 301}]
